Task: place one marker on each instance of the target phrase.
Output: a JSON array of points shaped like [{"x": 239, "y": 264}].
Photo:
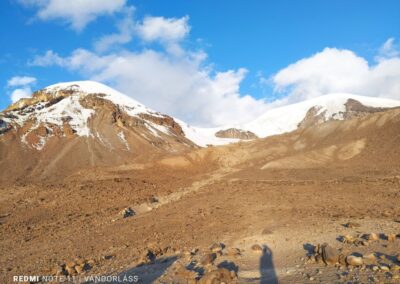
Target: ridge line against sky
[{"x": 163, "y": 61}]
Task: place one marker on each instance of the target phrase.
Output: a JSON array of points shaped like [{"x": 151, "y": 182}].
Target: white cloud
[
  {"x": 179, "y": 86},
  {"x": 126, "y": 29},
  {"x": 164, "y": 29},
  {"x": 49, "y": 58},
  {"x": 388, "y": 50},
  {"x": 24, "y": 83},
  {"x": 76, "y": 13},
  {"x": 337, "y": 70},
  {"x": 20, "y": 93},
  {"x": 20, "y": 81},
  {"x": 167, "y": 31}
]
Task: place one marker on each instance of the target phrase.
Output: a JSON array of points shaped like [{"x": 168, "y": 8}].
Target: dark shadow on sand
[
  {"x": 146, "y": 273},
  {"x": 267, "y": 269}
]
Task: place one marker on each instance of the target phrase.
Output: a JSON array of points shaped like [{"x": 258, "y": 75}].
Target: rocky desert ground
[{"x": 317, "y": 205}]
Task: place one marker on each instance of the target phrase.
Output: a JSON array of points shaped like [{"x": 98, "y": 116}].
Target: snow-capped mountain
[
  {"x": 338, "y": 106},
  {"x": 72, "y": 108},
  {"x": 76, "y": 125}
]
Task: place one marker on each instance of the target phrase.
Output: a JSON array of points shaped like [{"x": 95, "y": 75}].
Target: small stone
[
  {"x": 256, "y": 248},
  {"x": 216, "y": 247},
  {"x": 208, "y": 258},
  {"x": 311, "y": 278},
  {"x": 354, "y": 260},
  {"x": 349, "y": 239},
  {"x": 329, "y": 254},
  {"x": 79, "y": 269},
  {"x": 370, "y": 257},
  {"x": 375, "y": 268},
  {"x": 127, "y": 212},
  {"x": 384, "y": 268},
  {"x": 373, "y": 237}
]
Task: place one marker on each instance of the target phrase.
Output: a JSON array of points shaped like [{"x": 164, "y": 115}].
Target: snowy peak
[
  {"x": 77, "y": 108},
  {"x": 338, "y": 106},
  {"x": 92, "y": 110}
]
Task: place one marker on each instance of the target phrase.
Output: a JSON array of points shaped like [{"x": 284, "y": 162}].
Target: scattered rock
[
  {"x": 370, "y": 257},
  {"x": 384, "y": 268},
  {"x": 220, "y": 275},
  {"x": 329, "y": 254},
  {"x": 349, "y": 239},
  {"x": 372, "y": 237},
  {"x": 354, "y": 260},
  {"x": 79, "y": 269},
  {"x": 216, "y": 247},
  {"x": 208, "y": 258},
  {"x": 256, "y": 248},
  {"x": 127, "y": 212}
]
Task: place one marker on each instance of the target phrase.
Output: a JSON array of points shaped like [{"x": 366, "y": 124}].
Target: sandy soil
[{"x": 318, "y": 182}]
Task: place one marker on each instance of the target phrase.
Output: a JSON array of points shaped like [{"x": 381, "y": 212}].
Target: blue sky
[{"x": 242, "y": 50}]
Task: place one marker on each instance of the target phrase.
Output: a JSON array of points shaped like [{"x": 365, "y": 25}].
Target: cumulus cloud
[
  {"x": 169, "y": 32},
  {"x": 180, "y": 86},
  {"x": 337, "y": 70},
  {"x": 24, "y": 84},
  {"x": 77, "y": 13},
  {"x": 20, "y": 81},
  {"x": 126, "y": 27},
  {"x": 164, "y": 29}
]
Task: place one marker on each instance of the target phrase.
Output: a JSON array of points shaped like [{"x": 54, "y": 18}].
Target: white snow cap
[
  {"x": 275, "y": 121},
  {"x": 285, "y": 119},
  {"x": 131, "y": 106}
]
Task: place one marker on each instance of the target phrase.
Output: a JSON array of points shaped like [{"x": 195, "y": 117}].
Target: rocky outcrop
[
  {"x": 164, "y": 120},
  {"x": 356, "y": 109},
  {"x": 4, "y": 127},
  {"x": 236, "y": 134},
  {"x": 312, "y": 117},
  {"x": 353, "y": 109}
]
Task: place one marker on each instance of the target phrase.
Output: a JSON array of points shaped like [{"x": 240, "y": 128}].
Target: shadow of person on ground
[
  {"x": 145, "y": 274},
  {"x": 267, "y": 269}
]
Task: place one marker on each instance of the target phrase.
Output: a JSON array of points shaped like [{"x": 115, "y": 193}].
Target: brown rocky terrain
[
  {"x": 317, "y": 205},
  {"x": 236, "y": 133}
]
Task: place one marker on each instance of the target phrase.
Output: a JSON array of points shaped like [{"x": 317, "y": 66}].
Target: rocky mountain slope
[
  {"x": 78, "y": 125},
  {"x": 257, "y": 209},
  {"x": 65, "y": 127}
]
